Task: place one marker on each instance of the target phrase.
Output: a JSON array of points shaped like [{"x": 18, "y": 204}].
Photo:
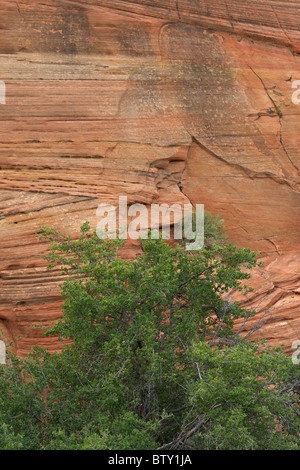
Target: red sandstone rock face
[{"x": 162, "y": 101}]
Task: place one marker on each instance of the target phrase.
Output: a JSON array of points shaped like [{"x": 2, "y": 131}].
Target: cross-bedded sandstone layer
[{"x": 163, "y": 101}]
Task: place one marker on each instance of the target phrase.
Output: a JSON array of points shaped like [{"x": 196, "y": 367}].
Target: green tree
[{"x": 153, "y": 360}]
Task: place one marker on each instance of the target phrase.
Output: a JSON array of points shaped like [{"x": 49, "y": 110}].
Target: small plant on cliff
[
  {"x": 214, "y": 233},
  {"x": 153, "y": 363}
]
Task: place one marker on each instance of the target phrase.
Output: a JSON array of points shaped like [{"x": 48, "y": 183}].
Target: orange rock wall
[{"x": 162, "y": 101}]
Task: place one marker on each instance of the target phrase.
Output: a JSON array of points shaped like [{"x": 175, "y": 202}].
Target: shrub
[{"x": 153, "y": 362}]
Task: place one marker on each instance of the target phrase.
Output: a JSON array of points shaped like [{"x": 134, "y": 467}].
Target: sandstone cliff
[{"x": 159, "y": 100}]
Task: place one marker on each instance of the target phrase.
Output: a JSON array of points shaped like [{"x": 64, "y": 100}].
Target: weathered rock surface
[{"x": 169, "y": 101}]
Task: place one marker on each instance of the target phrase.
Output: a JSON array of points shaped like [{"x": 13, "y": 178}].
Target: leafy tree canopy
[{"x": 152, "y": 359}]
